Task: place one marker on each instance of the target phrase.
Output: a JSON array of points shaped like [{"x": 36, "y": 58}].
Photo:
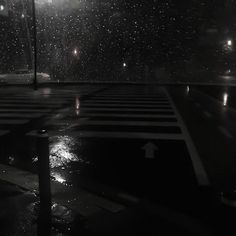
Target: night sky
[{"x": 94, "y": 39}]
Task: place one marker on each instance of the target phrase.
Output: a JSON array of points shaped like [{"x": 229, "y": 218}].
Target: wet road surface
[{"x": 155, "y": 143}]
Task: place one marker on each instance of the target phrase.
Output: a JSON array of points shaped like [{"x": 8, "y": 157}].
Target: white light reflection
[
  {"x": 187, "y": 90},
  {"x": 58, "y": 178},
  {"x": 62, "y": 150},
  {"x": 229, "y": 42},
  {"x": 124, "y": 65},
  {"x": 225, "y": 99},
  {"x": 2, "y": 8},
  {"x": 77, "y": 105}
]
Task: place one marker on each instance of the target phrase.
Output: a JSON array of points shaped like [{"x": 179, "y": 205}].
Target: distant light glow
[
  {"x": 2, "y": 8},
  {"x": 77, "y": 103},
  {"x": 225, "y": 99},
  {"x": 188, "y": 89},
  {"x": 75, "y": 52},
  {"x": 22, "y": 15},
  {"x": 124, "y": 65},
  {"x": 229, "y": 43}
]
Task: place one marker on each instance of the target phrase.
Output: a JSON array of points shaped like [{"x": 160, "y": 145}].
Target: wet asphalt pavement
[{"x": 159, "y": 144}]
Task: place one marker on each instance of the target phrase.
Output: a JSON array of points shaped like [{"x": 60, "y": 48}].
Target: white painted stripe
[
  {"x": 25, "y": 110},
  {"x": 207, "y": 114},
  {"x": 130, "y": 123},
  {"x": 13, "y": 122},
  {"x": 141, "y": 102},
  {"x": 20, "y": 115},
  {"x": 83, "y": 104},
  {"x": 30, "y": 102},
  {"x": 129, "y": 99},
  {"x": 29, "y": 105},
  {"x": 121, "y": 123},
  {"x": 127, "y": 109},
  {"x": 127, "y": 115},
  {"x": 225, "y": 132},
  {"x": 124, "y": 135},
  {"x": 198, "y": 167}
]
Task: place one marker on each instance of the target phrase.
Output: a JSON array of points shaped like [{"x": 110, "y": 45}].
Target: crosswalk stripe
[
  {"x": 125, "y": 135},
  {"x": 20, "y": 115},
  {"x": 28, "y": 105},
  {"x": 163, "y": 109},
  {"x": 13, "y": 122},
  {"x": 129, "y": 98},
  {"x": 25, "y": 110},
  {"x": 127, "y": 115},
  {"x": 124, "y": 105},
  {"x": 129, "y": 123},
  {"x": 100, "y": 101}
]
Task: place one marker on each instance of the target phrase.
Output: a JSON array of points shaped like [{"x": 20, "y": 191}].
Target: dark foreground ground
[{"x": 124, "y": 159}]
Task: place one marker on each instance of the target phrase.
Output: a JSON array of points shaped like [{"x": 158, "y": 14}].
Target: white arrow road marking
[{"x": 150, "y": 149}]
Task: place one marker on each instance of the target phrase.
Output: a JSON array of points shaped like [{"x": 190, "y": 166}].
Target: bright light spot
[
  {"x": 22, "y": 15},
  {"x": 225, "y": 99},
  {"x": 229, "y": 43},
  {"x": 2, "y": 8},
  {"x": 227, "y": 72},
  {"x": 124, "y": 65},
  {"x": 75, "y": 52},
  {"x": 58, "y": 178},
  {"x": 77, "y": 103},
  {"x": 188, "y": 89}
]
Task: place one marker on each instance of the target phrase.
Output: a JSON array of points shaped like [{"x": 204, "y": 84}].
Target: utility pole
[{"x": 35, "y": 82}]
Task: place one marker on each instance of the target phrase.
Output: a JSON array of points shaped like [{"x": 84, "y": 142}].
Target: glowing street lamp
[
  {"x": 2, "y": 8},
  {"x": 124, "y": 65}
]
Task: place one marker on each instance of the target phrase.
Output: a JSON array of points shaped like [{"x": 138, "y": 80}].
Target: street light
[{"x": 2, "y": 8}]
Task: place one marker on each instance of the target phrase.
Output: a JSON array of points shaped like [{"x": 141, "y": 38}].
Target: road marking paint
[
  {"x": 13, "y": 122},
  {"x": 120, "y": 102},
  {"x": 198, "y": 167},
  {"x": 163, "y": 109},
  {"x": 120, "y": 115},
  {"x": 25, "y": 110},
  {"x": 83, "y": 104},
  {"x": 19, "y": 115},
  {"x": 125, "y": 135},
  {"x": 207, "y": 114},
  {"x": 129, "y": 123},
  {"x": 225, "y": 132}
]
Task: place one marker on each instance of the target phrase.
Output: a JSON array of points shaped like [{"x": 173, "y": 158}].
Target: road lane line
[
  {"x": 225, "y": 132},
  {"x": 198, "y": 167}
]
